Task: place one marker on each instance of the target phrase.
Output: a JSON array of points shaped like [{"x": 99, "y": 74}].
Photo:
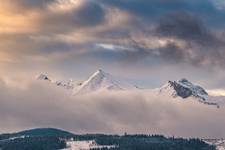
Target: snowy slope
[
  {"x": 101, "y": 80},
  {"x": 85, "y": 145},
  {"x": 185, "y": 89},
  {"x": 65, "y": 84},
  {"x": 219, "y": 143},
  {"x": 43, "y": 77}
]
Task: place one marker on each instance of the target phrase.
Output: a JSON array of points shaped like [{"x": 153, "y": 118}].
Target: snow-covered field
[
  {"x": 219, "y": 143},
  {"x": 14, "y": 138},
  {"x": 87, "y": 145},
  {"x": 84, "y": 145}
]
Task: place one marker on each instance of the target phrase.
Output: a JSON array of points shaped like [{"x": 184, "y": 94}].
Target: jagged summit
[
  {"x": 99, "y": 73},
  {"x": 196, "y": 89},
  {"x": 101, "y": 80},
  {"x": 42, "y": 77},
  {"x": 65, "y": 84},
  {"x": 184, "y": 88}
]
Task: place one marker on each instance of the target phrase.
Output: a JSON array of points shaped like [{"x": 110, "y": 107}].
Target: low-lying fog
[{"x": 43, "y": 105}]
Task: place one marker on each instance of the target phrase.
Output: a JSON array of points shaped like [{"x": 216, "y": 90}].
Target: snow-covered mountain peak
[
  {"x": 184, "y": 88},
  {"x": 196, "y": 89},
  {"x": 99, "y": 74},
  {"x": 43, "y": 77},
  {"x": 185, "y": 82},
  {"x": 101, "y": 80},
  {"x": 65, "y": 84}
]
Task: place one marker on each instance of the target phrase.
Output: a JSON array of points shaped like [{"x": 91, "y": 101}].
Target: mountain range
[{"x": 101, "y": 81}]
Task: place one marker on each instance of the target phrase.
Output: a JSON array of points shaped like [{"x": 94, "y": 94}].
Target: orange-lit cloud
[{"x": 12, "y": 20}]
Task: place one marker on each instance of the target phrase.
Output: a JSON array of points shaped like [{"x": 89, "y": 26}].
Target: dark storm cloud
[
  {"x": 152, "y": 9},
  {"x": 188, "y": 40},
  {"x": 190, "y": 21},
  {"x": 183, "y": 25},
  {"x": 202, "y": 45},
  {"x": 146, "y": 8},
  {"x": 90, "y": 13},
  {"x": 172, "y": 53}
]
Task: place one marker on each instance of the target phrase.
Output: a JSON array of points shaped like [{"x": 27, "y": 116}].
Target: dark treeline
[
  {"x": 152, "y": 142},
  {"x": 53, "y": 139},
  {"x": 33, "y": 143}
]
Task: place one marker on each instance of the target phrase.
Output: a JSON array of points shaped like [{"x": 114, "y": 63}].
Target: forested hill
[{"x": 55, "y": 139}]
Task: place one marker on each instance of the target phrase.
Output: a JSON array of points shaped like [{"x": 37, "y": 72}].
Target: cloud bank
[{"x": 41, "y": 105}]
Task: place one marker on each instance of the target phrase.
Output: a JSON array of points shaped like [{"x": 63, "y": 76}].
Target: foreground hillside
[{"x": 54, "y": 139}]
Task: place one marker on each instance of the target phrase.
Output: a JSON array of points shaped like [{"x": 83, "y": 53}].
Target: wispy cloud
[{"x": 219, "y": 4}]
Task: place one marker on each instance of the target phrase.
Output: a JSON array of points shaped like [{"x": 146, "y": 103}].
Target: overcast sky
[{"x": 154, "y": 40}]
